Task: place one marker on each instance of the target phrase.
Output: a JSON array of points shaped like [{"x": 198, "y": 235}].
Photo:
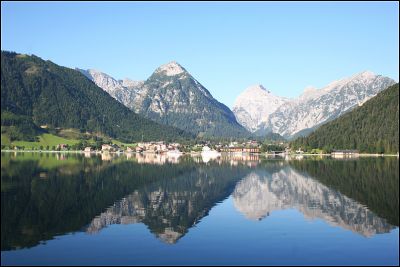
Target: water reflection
[
  {"x": 151, "y": 158},
  {"x": 262, "y": 192},
  {"x": 43, "y": 195},
  {"x": 170, "y": 207}
]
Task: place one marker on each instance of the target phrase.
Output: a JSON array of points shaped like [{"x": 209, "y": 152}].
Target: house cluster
[
  {"x": 344, "y": 153},
  {"x": 250, "y": 143},
  {"x": 108, "y": 148},
  {"x": 245, "y": 147},
  {"x": 104, "y": 148},
  {"x": 62, "y": 147},
  {"x": 156, "y": 147},
  {"x": 151, "y": 147},
  {"x": 241, "y": 149}
]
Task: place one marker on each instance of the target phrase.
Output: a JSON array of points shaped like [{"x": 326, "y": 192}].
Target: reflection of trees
[
  {"x": 262, "y": 192},
  {"x": 34, "y": 208}
]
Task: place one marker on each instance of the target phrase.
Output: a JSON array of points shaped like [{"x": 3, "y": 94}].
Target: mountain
[
  {"x": 315, "y": 107},
  {"x": 372, "y": 127},
  {"x": 42, "y": 93},
  {"x": 172, "y": 96},
  {"x": 261, "y": 112},
  {"x": 253, "y": 106},
  {"x": 121, "y": 90}
]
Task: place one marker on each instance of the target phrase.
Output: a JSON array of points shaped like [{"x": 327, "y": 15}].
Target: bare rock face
[
  {"x": 263, "y": 113},
  {"x": 123, "y": 90},
  {"x": 253, "y": 106}
]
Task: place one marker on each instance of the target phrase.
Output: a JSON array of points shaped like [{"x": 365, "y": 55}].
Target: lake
[{"x": 85, "y": 209}]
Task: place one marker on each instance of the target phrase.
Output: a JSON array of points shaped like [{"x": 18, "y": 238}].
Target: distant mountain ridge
[
  {"x": 311, "y": 109},
  {"x": 172, "y": 96}
]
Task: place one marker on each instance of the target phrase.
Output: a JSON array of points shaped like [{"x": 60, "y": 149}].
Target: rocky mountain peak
[
  {"x": 309, "y": 89},
  {"x": 171, "y": 69},
  {"x": 102, "y": 80},
  {"x": 130, "y": 83},
  {"x": 121, "y": 90},
  {"x": 366, "y": 74},
  {"x": 254, "y": 105},
  {"x": 257, "y": 87}
]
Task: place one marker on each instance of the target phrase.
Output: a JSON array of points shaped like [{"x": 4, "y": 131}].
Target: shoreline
[{"x": 196, "y": 153}]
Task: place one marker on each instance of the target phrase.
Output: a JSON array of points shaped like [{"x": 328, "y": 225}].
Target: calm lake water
[{"x": 149, "y": 209}]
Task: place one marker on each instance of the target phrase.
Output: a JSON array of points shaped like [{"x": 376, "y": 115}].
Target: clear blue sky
[{"x": 226, "y": 46}]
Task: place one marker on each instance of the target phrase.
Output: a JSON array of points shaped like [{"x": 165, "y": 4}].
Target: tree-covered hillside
[
  {"x": 35, "y": 92},
  {"x": 370, "y": 128}
]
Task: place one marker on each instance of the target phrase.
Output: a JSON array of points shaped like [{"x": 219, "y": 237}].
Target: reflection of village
[
  {"x": 234, "y": 159},
  {"x": 162, "y": 147},
  {"x": 250, "y": 160}
]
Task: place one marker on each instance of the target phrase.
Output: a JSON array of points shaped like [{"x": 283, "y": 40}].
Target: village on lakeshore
[{"x": 204, "y": 148}]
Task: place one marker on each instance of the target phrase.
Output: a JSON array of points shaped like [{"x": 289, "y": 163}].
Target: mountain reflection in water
[
  {"x": 44, "y": 195},
  {"x": 261, "y": 192}
]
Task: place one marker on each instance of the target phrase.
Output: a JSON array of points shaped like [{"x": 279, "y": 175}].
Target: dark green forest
[
  {"x": 36, "y": 92},
  {"x": 370, "y": 128}
]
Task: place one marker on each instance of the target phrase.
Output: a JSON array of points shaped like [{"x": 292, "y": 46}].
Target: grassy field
[
  {"x": 51, "y": 140},
  {"x": 118, "y": 143},
  {"x": 44, "y": 141},
  {"x": 5, "y": 140}
]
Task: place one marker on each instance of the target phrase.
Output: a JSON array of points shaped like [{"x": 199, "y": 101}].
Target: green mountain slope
[
  {"x": 35, "y": 92},
  {"x": 372, "y": 127}
]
